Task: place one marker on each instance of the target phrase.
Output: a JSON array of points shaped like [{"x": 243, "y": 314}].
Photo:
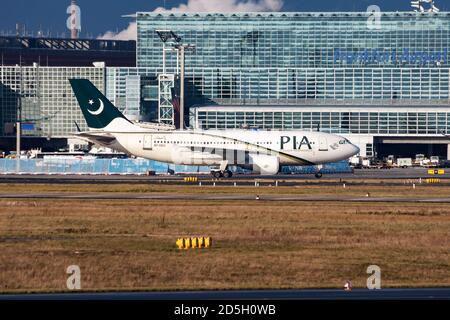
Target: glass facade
[
  {"x": 305, "y": 58},
  {"x": 363, "y": 121},
  {"x": 297, "y": 40},
  {"x": 43, "y": 98},
  {"x": 145, "y": 98},
  {"x": 133, "y": 97}
]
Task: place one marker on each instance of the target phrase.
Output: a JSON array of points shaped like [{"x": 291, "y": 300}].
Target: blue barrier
[
  {"x": 337, "y": 167},
  {"x": 132, "y": 166},
  {"x": 92, "y": 166}
]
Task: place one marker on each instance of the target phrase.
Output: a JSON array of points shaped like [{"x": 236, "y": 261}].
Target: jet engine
[{"x": 265, "y": 165}]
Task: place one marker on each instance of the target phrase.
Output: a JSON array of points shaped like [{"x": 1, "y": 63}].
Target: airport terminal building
[
  {"x": 385, "y": 86},
  {"x": 34, "y": 87}
]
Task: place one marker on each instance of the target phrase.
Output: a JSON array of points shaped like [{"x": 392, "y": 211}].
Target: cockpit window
[{"x": 344, "y": 141}]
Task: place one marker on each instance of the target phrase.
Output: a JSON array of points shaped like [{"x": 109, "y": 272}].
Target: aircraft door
[
  {"x": 148, "y": 142},
  {"x": 323, "y": 144}
]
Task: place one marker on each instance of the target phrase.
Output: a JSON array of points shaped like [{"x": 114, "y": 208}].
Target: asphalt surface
[
  {"x": 212, "y": 197},
  {"x": 357, "y": 294},
  {"x": 242, "y": 179}
]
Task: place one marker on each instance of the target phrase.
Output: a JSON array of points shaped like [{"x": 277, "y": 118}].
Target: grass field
[{"x": 130, "y": 245}]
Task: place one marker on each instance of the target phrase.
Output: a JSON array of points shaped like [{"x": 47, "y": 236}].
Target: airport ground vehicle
[{"x": 404, "y": 162}]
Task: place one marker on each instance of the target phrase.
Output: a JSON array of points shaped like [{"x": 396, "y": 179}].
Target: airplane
[{"x": 262, "y": 151}]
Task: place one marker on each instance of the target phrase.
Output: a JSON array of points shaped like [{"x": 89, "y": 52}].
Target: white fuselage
[{"x": 237, "y": 147}]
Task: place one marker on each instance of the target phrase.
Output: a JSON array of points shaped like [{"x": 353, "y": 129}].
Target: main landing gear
[
  {"x": 318, "y": 174},
  {"x": 221, "y": 174},
  {"x": 222, "y": 171}
]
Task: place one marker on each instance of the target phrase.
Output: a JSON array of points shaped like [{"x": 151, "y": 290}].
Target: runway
[
  {"x": 243, "y": 179},
  {"x": 357, "y": 294},
  {"x": 212, "y": 197}
]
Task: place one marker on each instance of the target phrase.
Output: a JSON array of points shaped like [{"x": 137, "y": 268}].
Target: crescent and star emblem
[{"x": 99, "y": 110}]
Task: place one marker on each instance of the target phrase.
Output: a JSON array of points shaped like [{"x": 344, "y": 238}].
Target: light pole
[
  {"x": 182, "y": 49},
  {"x": 165, "y": 36},
  {"x": 19, "y": 121},
  {"x": 166, "y": 82}
]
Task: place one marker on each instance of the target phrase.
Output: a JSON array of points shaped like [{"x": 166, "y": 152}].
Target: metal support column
[
  {"x": 166, "y": 83},
  {"x": 181, "y": 52}
]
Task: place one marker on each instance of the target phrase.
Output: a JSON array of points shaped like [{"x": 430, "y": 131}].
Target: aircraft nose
[{"x": 355, "y": 149}]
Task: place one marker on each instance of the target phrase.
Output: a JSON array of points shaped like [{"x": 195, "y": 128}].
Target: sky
[{"x": 103, "y": 18}]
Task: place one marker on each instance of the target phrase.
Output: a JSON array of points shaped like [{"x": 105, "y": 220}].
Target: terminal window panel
[
  {"x": 335, "y": 122},
  {"x": 412, "y": 123},
  {"x": 325, "y": 120},
  {"x": 259, "y": 120},
  {"x": 278, "y": 120},
  {"x": 268, "y": 120},
  {"x": 441, "y": 122},
  {"x": 403, "y": 123},
  {"x": 354, "y": 122},
  {"x": 422, "y": 123},
  {"x": 297, "y": 86},
  {"x": 297, "y": 120},
  {"x": 344, "y": 122},
  {"x": 448, "y": 123},
  {"x": 240, "y": 119},
  {"x": 392, "y": 123},
  {"x": 364, "y": 122},
  {"x": 431, "y": 123}
]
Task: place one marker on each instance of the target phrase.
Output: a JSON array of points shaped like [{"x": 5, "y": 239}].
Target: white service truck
[{"x": 404, "y": 162}]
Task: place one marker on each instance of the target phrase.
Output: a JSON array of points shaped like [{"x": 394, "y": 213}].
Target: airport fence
[{"x": 131, "y": 167}]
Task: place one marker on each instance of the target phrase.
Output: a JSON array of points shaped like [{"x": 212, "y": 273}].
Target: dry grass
[
  {"x": 422, "y": 190},
  {"x": 130, "y": 245}
]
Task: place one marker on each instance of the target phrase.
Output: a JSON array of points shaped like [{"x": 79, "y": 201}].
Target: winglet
[{"x": 78, "y": 127}]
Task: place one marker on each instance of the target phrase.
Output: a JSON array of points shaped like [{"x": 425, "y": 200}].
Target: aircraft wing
[{"x": 99, "y": 138}]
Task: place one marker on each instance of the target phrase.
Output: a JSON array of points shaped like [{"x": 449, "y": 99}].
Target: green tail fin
[{"x": 97, "y": 109}]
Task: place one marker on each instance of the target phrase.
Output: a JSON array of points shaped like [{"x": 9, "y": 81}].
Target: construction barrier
[
  {"x": 432, "y": 180},
  {"x": 436, "y": 171},
  {"x": 194, "y": 243}
]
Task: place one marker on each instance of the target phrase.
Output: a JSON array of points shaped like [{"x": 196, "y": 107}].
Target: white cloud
[
  {"x": 202, "y": 6},
  {"x": 129, "y": 33},
  {"x": 226, "y": 6}
]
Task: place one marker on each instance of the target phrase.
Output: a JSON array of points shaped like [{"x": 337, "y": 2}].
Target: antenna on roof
[{"x": 419, "y": 6}]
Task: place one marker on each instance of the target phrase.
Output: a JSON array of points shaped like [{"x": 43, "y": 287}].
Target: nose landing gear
[{"x": 318, "y": 173}]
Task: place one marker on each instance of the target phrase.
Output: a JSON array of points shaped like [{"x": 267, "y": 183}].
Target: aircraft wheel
[
  {"x": 227, "y": 174},
  {"x": 217, "y": 174},
  {"x": 318, "y": 175}
]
